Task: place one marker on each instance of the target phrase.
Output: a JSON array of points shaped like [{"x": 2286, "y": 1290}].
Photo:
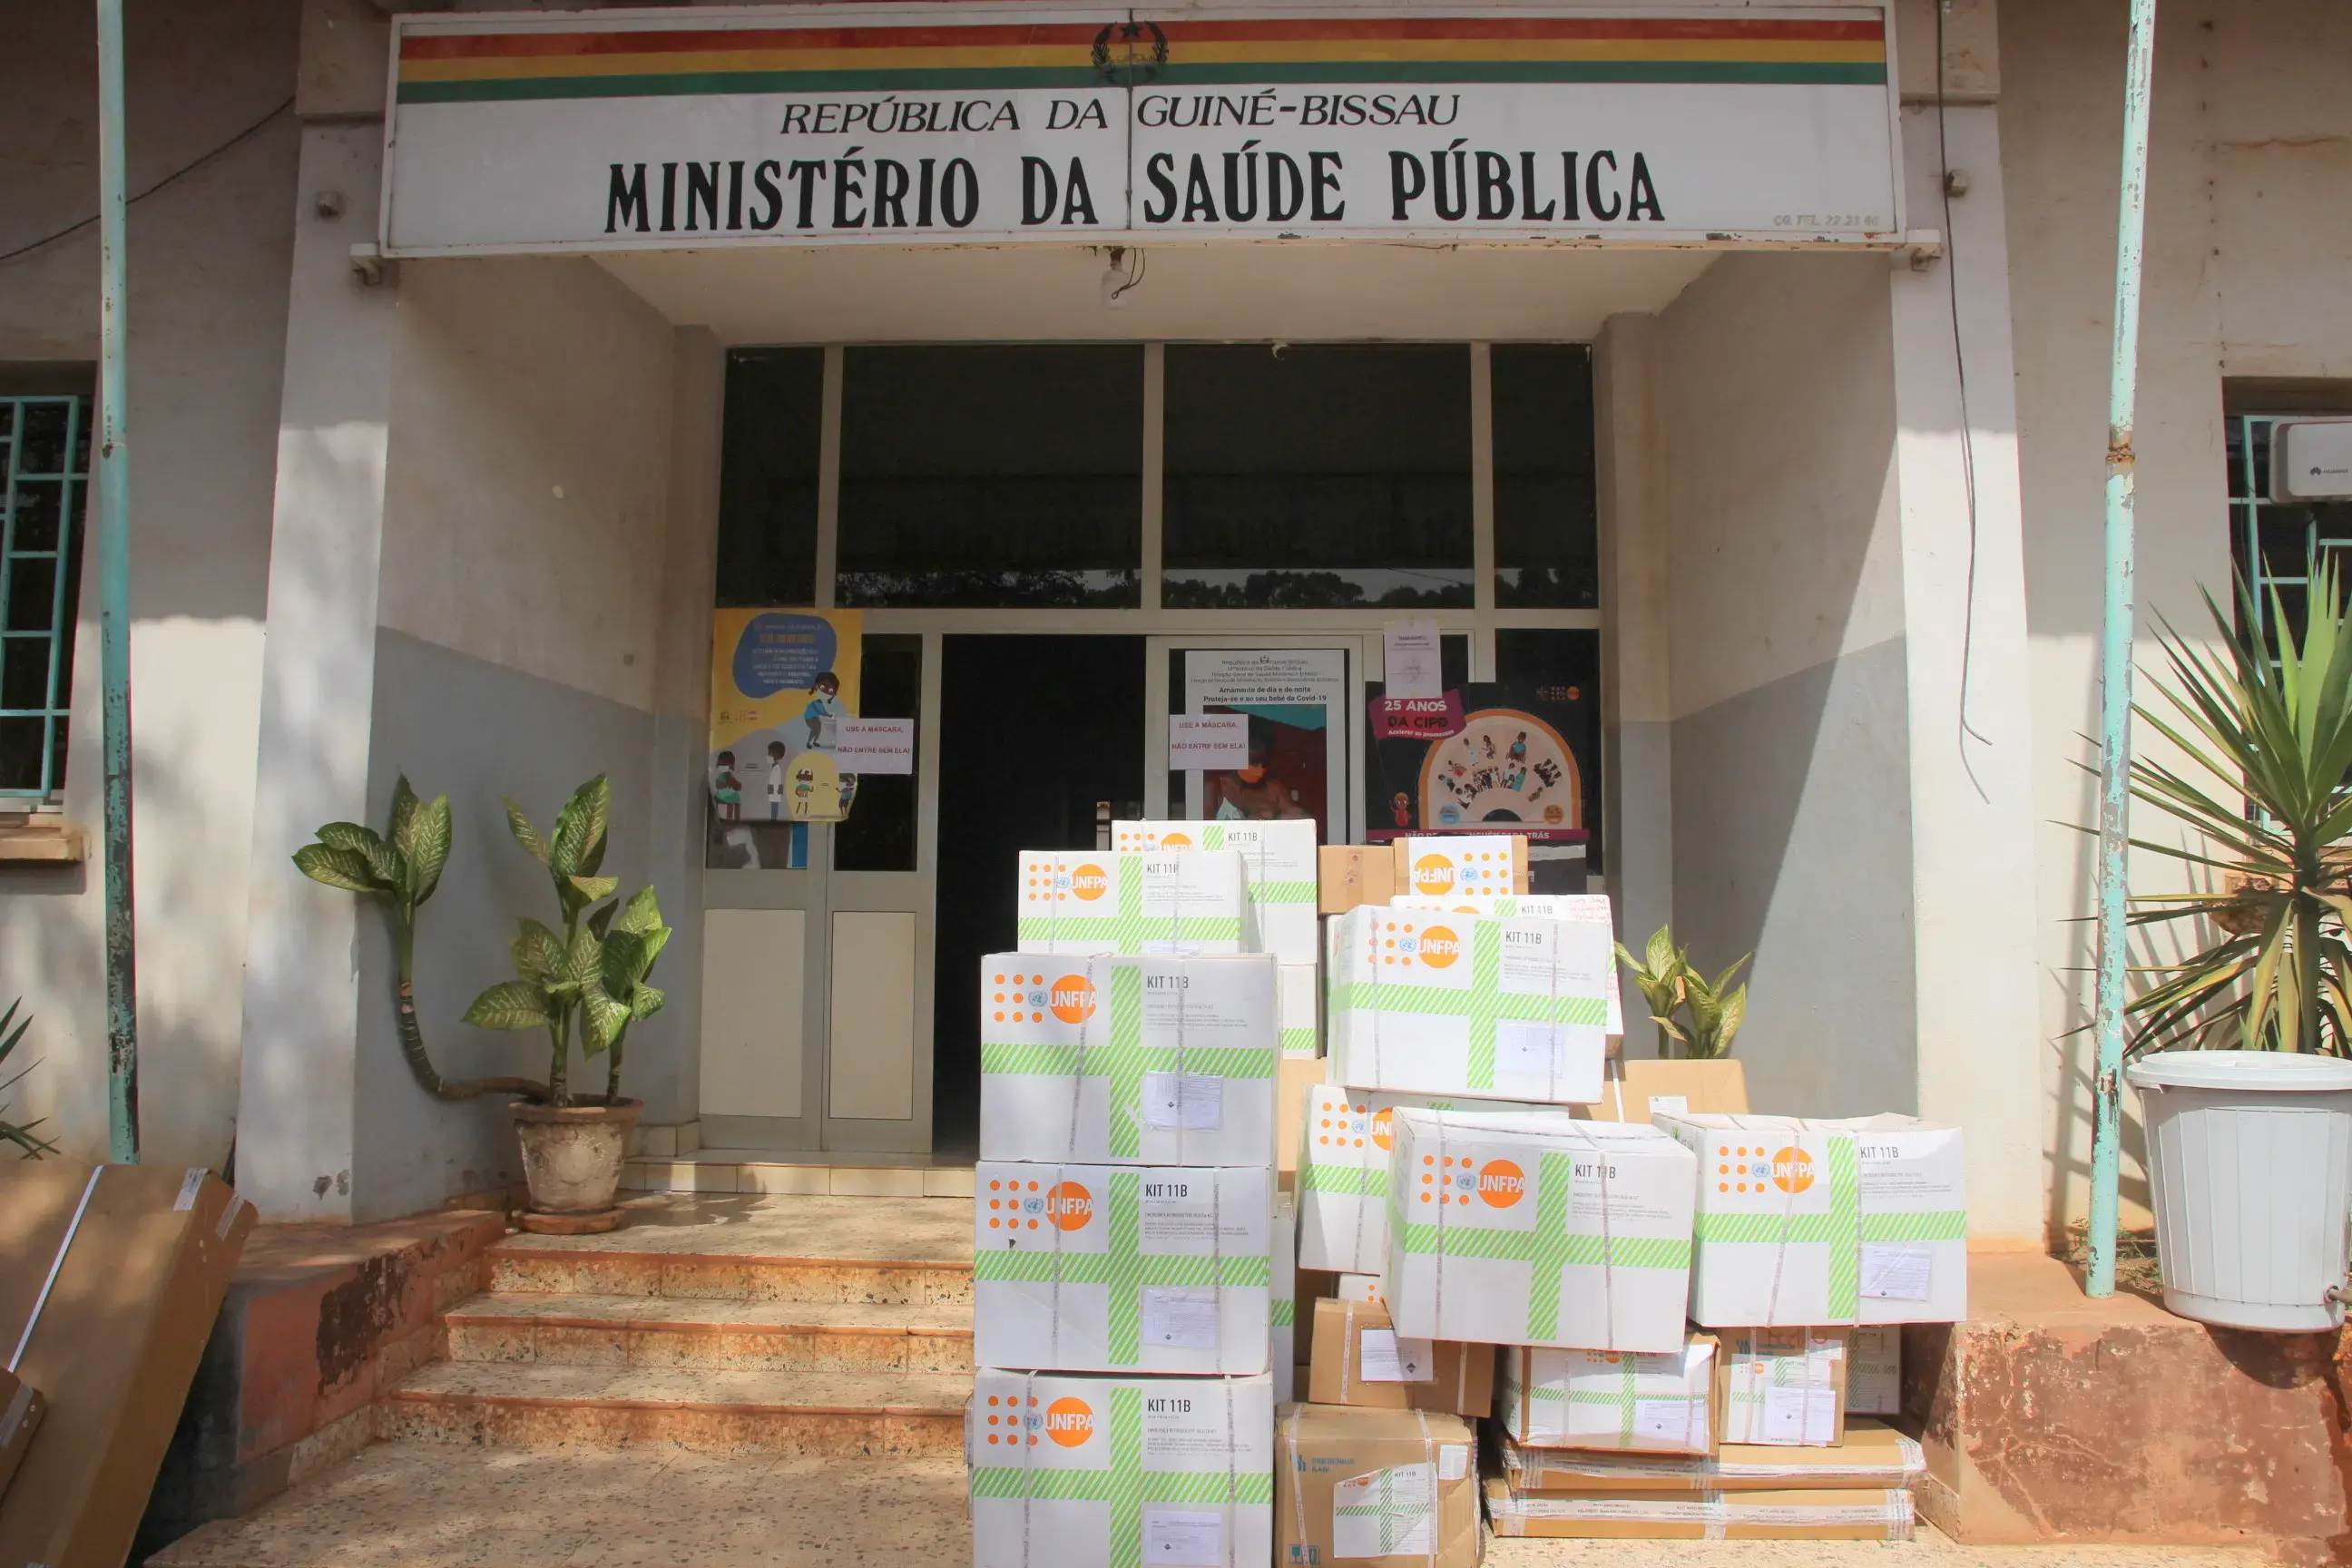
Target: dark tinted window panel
[
  {"x": 1320, "y": 475},
  {"x": 1546, "y": 510},
  {"x": 767, "y": 476},
  {"x": 991, "y": 476},
  {"x": 1560, "y": 666}
]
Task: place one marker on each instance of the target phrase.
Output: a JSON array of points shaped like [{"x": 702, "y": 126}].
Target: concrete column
[
  {"x": 297, "y": 1098},
  {"x": 1971, "y": 731},
  {"x": 1636, "y": 689}
]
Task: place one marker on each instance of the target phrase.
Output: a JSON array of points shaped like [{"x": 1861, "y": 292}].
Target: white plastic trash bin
[{"x": 2250, "y": 1159}]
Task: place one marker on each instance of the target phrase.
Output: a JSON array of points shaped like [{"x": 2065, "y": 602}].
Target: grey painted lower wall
[
  {"x": 1793, "y": 841},
  {"x": 475, "y": 731}
]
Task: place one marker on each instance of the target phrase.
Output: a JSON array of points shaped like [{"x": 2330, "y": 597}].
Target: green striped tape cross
[
  {"x": 1127, "y": 1486},
  {"x": 1123, "y": 1268},
  {"x": 1839, "y": 1230},
  {"x": 1485, "y": 1004},
  {"x": 1397, "y": 1511},
  {"x": 1128, "y": 928},
  {"x": 1123, "y": 1061},
  {"x": 1621, "y": 1398},
  {"x": 1352, "y": 1181},
  {"x": 1297, "y": 1043},
  {"x": 1285, "y": 1314}
]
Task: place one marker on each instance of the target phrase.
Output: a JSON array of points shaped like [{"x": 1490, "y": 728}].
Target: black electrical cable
[
  {"x": 188, "y": 168},
  {"x": 1968, "y": 430}
]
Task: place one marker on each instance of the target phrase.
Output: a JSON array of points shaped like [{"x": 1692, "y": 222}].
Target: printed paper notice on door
[
  {"x": 1409, "y": 652},
  {"x": 875, "y": 746},
  {"x": 1207, "y": 741}
]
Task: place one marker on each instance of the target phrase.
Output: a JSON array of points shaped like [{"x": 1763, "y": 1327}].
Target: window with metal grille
[
  {"x": 2272, "y": 541},
  {"x": 45, "y": 460}
]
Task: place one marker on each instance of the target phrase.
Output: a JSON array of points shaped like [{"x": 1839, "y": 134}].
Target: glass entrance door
[{"x": 1299, "y": 697}]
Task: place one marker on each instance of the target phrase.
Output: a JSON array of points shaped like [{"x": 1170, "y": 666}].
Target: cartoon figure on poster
[
  {"x": 1503, "y": 766},
  {"x": 782, "y": 681}
]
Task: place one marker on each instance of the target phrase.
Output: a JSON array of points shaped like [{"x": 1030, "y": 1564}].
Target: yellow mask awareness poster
[{"x": 781, "y": 683}]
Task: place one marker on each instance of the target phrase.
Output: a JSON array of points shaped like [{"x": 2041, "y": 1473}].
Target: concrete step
[
  {"x": 708, "y": 1410},
  {"x": 755, "y": 1171},
  {"x": 708, "y": 1247},
  {"x": 653, "y": 1331}
]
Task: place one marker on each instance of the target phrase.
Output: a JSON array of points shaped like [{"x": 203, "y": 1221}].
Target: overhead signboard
[{"x": 833, "y": 123}]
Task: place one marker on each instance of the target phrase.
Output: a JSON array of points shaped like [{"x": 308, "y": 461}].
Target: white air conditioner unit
[{"x": 2310, "y": 459}]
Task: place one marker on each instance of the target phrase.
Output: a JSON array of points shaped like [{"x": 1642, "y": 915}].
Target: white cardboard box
[
  {"x": 1277, "y": 865},
  {"x": 1539, "y": 1230},
  {"x": 1116, "y": 1269},
  {"x": 1300, "y": 991},
  {"x": 1449, "y": 863},
  {"x": 1431, "y": 1002},
  {"x": 1659, "y": 1403},
  {"x": 1343, "y": 1172},
  {"x": 1803, "y": 1222},
  {"x": 1874, "y": 1372},
  {"x": 1083, "y": 1472},
  {"x": 1363, "y": 1287},
  {"x": 1592, "y": 909},
  {"x": 1139, "y": 1059},
  {"x": 1101, "y": 900}
]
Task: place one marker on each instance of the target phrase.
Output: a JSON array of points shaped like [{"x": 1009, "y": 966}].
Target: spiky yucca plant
[
  {"x": 589, "y": 981},
  {"x": 2273, "y": 974},
  {"x": 402, "y": 867}
]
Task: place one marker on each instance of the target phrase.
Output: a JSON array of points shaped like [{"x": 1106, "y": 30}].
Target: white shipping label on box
[
  {"x": 1783, "y": 1385},
  {"x": 1432, "y": 1002},
  {"x": 1108, "y": 901},
  {"x": 1797, "y": 1416},
  {"x": 874, "y": 745},
  {"x": 1386, "y": 1358},
  {"x": 1343, "y": 1173},
  {"x": 1145, "y": 1059},
  {"x": 1190, "y": 1456},
  {"x": 1609, "y": 1400},
  {"x": 1825, "y": 1221},
  {"x": 1385, "y": 1513},
  {"x": 1580, "y": 909},
  {"x": 1209, "y": 741},
  {"x": 1473, "y": 1253},
  {"x": 1084, "y": 1268}
]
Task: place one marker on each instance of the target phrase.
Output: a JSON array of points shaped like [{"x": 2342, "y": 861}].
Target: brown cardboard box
[
  {"x": 1293, "y": 1076},
  {"x": 1719, "y": 1084},
  {"x": 1413, "y": 870},
  {"x": 1352, "y": 874},
  {"x": 21, "y": 1408},
  {"x": 1851, "y": 1514},
  {"x": 1460, "y": 1377},
  {"x": 1786, "y": 1386},
  {"x": 1349, "y": 1482},
  {"x": 1873, "y": 1454},
  {"x": 115, "y": 1348}
]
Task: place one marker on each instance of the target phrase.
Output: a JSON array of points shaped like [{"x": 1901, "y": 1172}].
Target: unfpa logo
[
  {"x": 1501, "y": 1184},
  {"x": 1433, "y": 874},
  {"x": 1176, "y": 841},
  {"x": 1792, "y": 1170},
  {"x": 1089, "y": 881},
  {"x": 1069, "y": 1422},
  {"x": 1384, "y": 1128},
  {"x": 1073, "y": 999},
  {"x": 1070, "y": 1206},
  {"x": 1438, "y": 947}
]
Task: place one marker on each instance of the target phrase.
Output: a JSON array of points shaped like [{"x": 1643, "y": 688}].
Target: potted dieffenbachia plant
[{"x": 585, "y": 980}]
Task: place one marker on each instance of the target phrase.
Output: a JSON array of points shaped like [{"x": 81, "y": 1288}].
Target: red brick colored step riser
[
  {"x": 605, "y": 1424},
  {"x": 547, "y": 1272},
  {"x": 586, "y": 1342}
]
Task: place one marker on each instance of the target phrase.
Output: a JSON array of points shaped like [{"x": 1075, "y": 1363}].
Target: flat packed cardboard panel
[
  {"x": 1844, "y": 1515},
  {"x": 1377, "y": 1486},
  {"x": 1637, "y": 1088},
  {"x": 116, "y": 1347},
  {"x": 1873, "y": 1454},
  {"x": 1359, "y": 1360}
]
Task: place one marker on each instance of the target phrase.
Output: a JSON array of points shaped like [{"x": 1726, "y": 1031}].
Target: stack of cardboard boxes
[{"x": 1123, "y": 1219}]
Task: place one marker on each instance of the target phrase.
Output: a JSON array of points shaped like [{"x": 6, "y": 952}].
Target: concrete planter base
[{"x": 572, "y": 1155}]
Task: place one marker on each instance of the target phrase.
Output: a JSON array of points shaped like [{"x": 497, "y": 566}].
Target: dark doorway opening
[{"x": 1034, "y": 731}]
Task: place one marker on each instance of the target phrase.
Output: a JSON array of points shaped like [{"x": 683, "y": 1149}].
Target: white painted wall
[
  {"x": 208, "y": 266},
  {"x": 2248, "y": 241}
]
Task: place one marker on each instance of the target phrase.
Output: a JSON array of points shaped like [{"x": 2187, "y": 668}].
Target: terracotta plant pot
[{"x": 571, "y": 1156}]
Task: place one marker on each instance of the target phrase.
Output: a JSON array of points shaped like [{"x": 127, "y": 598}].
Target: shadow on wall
[{"x": 1791, "y": 776}]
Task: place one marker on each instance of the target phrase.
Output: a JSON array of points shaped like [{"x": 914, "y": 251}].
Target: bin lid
[{"x": 2280, "y": 1072}]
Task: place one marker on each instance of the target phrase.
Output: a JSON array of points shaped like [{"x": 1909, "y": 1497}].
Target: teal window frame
[{"x": 57, "y": 637}]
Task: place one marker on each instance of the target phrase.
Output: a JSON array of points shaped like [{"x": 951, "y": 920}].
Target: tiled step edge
[
  {"x": 725, "y": 1276},
  {"x": 526, "y": 1421},
  {"x": 484, "y": 1334}
]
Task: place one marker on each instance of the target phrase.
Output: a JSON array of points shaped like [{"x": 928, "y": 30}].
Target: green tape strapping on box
[
  {"x": 1839, "y": 1230},
  {"x": 1622, "y": 1399},
  {"x": 1123, "y": 1268},
  {"x": 1353, "y": 1181},
  {"x": 1397, "y": 1515},
  {"x": 1284, "y": 1313},
  {"x": 1126, "y": 1485},
  {"x": 1298, "y": 1042},
  {"x": 1484, "y": 1003}
]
